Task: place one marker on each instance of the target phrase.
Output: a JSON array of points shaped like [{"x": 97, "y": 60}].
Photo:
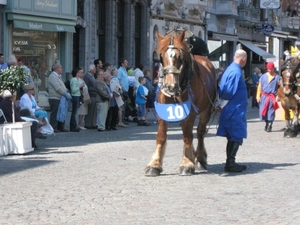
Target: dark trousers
[
  {"x": 253, "y": 91},
  {"x": 54, "y": 104},
  {"x": 112, "y": 117},
  {"x": 33, "y": 129},
  {"x": 75, "y": 105}
]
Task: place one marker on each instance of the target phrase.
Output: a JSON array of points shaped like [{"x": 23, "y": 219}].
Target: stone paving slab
[{"x": 95, "y": 177}]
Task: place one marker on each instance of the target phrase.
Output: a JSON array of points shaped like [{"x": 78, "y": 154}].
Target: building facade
[
  {"x": 167, "y": 15},
  {"x": 110, "y": 30},
  {"x": 76, "y": 32},
  {"x": 41, "y": 33}
]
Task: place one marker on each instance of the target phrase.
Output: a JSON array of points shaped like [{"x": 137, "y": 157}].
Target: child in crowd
[{"x": 141, "y": 102}]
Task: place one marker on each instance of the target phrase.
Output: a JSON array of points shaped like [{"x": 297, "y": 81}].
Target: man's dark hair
[
  {"x": 96, "y": 62},
  {"x": 121, "y": 60}
]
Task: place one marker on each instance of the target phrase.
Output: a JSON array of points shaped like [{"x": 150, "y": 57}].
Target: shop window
[{"x": 39, "y": 51}]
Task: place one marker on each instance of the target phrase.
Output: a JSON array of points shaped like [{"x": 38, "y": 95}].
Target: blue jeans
[
  {"x": 75, "y": 105},
  {"x": 141, "y": 110}
]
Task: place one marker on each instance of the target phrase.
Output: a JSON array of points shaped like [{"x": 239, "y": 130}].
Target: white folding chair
[{"x": 2, "y": 115}]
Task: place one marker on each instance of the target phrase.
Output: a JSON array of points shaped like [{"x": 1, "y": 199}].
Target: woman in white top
[{"x": 27, "y": 101}]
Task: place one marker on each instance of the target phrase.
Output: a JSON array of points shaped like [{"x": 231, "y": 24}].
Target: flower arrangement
[{"x": 13, "y": 78}]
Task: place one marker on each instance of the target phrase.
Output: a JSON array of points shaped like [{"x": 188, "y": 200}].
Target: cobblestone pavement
[{"x": 95, "y": 177}]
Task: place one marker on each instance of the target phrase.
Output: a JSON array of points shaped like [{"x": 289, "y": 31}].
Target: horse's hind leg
[
  {"x": 201, "y": 154},
  {"x": 187, "y": 166},
  {"x": 154, "y": 168}
]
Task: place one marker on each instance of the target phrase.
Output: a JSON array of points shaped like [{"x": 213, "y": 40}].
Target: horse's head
[
  {"x": 174, "y": 54},
  {"x": 289, "y": 74}
]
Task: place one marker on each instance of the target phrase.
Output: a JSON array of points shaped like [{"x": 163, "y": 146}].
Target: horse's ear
[
  {"x": 159, "y": 37},
  {"x": 181, "y": 36}
]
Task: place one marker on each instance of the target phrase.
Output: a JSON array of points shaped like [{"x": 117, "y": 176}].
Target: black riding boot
[
  {"x": 231, "y": 165},
  {"x": 267, "y": 124},
  {"x": 269, "y": 128}
]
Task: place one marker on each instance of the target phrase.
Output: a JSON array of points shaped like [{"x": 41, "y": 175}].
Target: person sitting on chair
[
  {"x": 6, "y": 106},
  {"x": 27, "y": 101}
]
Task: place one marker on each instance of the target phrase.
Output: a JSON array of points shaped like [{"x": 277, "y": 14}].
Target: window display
[{"x": 39, "y": 51}]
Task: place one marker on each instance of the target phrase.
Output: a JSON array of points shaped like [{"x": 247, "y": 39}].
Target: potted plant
[
  {"x": 12, "y": 79},
  {"x": 16, "y": 136}
]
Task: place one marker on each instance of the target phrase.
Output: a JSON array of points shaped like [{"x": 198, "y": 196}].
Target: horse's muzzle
[
  {"x": 171, "y": 89},
  {"x": 287, "y": 92}
]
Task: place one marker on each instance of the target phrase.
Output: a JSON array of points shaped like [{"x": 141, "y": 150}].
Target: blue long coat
[
  {"x": 268, "y": 88},
  {"x": 233, "y": 122}
]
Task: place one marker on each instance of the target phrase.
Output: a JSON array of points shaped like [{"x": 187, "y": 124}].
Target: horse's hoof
[
  {"x": 183, "y": 171},
  {"x": 152, "y": 172},
  {"x": 203, "y": 164},
  {"x": 290, "y": 133}
]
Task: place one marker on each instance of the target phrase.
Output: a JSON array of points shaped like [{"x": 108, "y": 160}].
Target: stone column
[
  {"x": 145, "y": 36},
  {"x": 110, "y": 33},
  {"x": 90, "y": 33},
  {"x": 128, "y": 32}
]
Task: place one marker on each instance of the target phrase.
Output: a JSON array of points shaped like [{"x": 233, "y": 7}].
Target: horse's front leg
[
  {"x": 154, "y": 168},
  {"x": 295, "y": 119},
  {"x": 187, "y": 166},
  {"x": 287, "y": 118}
]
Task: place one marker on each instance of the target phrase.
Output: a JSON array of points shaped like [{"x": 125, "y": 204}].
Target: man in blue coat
[{"x": 233, "y": 107}]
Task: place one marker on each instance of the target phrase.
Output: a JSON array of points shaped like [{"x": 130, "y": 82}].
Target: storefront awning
[
  {"x": 215, "y": 54},
  {"x": 257, "y": 50},
  {"x": 42, "y": 24}
]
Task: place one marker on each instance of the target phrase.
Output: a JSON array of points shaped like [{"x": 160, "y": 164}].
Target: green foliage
[{"x": 13, "y": 78}]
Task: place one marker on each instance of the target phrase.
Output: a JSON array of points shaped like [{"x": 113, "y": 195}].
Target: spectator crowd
[{"x": 104, "y": 98}]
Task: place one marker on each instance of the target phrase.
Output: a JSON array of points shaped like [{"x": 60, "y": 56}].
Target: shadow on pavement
[
  {"x": 252, "y": 168},
  {"x": 9, "y": 165}
]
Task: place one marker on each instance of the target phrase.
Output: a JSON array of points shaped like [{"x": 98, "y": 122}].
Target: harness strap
[{"x": 191, "y": 96}]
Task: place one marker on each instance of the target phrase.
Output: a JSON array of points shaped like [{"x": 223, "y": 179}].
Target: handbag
[
  {"x": 86, "y": 98},
  {"x": 47, "y": 129}
]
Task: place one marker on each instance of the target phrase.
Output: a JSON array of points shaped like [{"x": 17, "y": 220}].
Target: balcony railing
[{"x": 248, "y": 14}]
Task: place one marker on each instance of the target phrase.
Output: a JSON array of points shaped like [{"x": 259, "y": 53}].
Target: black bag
[
  {"x": 67, "y": 84},
  {"x": 104, "y": 98},
  {"x": 81, "y": 101},
  {"x": 125, "y": 95}
]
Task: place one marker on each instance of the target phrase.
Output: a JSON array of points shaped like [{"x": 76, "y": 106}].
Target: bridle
[
  {"x": 295, "y": 75},
  {"x": 171, "y": 69}
]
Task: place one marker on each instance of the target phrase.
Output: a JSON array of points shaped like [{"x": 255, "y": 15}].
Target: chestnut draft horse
[
  {"x": 183, "y": 77},
  {"x": 289, "y": 91}
]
